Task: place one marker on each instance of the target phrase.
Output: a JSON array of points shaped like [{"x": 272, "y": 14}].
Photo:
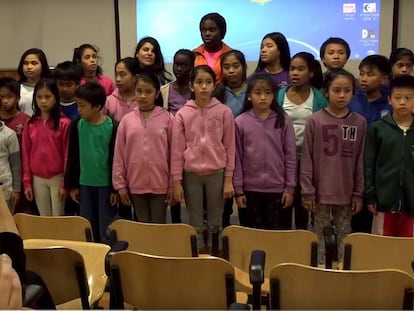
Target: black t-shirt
[{"x": 12, "y": 245}]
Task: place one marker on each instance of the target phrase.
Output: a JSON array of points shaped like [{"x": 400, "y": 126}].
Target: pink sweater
[
  {"x": 142, "y": 153},
  {"x": 203, "y": 140},
  {"x": 117, "y": 107},
  {"x": 44, "y": 150},
  {"x": 105, "y": 81}
]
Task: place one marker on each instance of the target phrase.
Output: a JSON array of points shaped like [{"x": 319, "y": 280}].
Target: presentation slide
[{"x": 305, "y": 23}]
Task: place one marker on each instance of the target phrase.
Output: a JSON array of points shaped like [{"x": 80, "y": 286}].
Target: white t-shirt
[
  {"x": 299, "y": 114},
  {"x": 26, "y": 98}
]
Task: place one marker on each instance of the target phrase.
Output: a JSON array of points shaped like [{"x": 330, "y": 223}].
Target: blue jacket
[{"x": 371, "y": 110}]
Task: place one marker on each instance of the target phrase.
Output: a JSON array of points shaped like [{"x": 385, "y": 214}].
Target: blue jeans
[{"x": 95, "y": 205}]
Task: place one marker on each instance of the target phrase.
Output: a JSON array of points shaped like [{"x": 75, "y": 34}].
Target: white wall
[{"x": 58, "y": 26}]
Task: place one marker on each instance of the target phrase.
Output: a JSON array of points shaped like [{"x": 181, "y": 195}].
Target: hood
[{"x": 213, "y": 102}]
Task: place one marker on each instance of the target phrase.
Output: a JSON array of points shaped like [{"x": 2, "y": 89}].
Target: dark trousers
[
  {"x": 227, "y": 211},
  {"x": 95, "y": 205},
  {"x": 300, "y": 213},
  {"x": 266, "y": 211},
  {"x": 362, "y": 222},
  {"x": 175, "y": 211},
  {"x": 71, "y": 207}
]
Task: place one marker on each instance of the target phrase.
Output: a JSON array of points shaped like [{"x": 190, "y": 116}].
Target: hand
[
  {"x": 373, "y": 209},
  {"x": 10, "y": 287},
  {"x": 356, "y": 207},
  {"x": 309, "y": 205},
  {"x": 178, "y": 192},
  {"x": 74, "y": 194},
  {"x": 125, "y": 199},
  {"x": 28, "y": 193},
  {"x": 170, "y": 198},
  {"x": 241, "y": 201},
  {"x": 287, "y": 199},
  {"x": 14, "y": 199},
  {"x": 63, "y": 194},
  {"x": 113, "y": 199},
  {"x": 228, "y": 190}
]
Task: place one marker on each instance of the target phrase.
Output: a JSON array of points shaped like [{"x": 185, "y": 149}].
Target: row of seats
[{"x": 161, "y": 268}]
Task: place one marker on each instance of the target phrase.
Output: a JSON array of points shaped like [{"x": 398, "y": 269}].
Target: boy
[
  {"x": 371, "y": 102},
  {"x": 10, "y": 96},
  {"x": 334, "y": 53},
  {"x": 68, "y": 78},
  {"x": 389, "y": 164},
  {"x": 88, "y": 174}
]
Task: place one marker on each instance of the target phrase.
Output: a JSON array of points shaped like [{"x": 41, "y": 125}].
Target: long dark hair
[
  {"x": 159, "y": 66},
  {"x": 314, "y": 66},
  {"x": 77, "y": 57},
  {"x": 151, "y": 78},
  {"x": 196, "y": 70},
  {"x": 55, "y": 113},
  {"x": 248, "y": 105},
  {"x": 220, "y": 91},
  {"x": 45, "y": 73},
  {"x": 283, "y": 47}
]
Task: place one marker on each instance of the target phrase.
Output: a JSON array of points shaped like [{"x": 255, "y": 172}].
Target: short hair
[
  {"x": 399, "y": 53},
  {"x": 93, "y": 93},
  {"x": 335, "y": 40},
  {"x": 45, "y": 72},
  {"x": 218, "y": 19},
  {"x": 376, "y": 61},
  {"x": 11, "y": 84},
  {"x": 405, "y": 81},
  {"x": 67, "y": 71},
  {"x": 190, "y": 54}
]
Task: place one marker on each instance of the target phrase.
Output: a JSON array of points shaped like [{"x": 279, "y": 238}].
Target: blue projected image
[{"x": 305, "y": 23}]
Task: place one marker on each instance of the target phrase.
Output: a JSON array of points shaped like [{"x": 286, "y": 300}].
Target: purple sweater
[
  {"x": 265, "y": 155},
  {"x": 332, "y": 158}
]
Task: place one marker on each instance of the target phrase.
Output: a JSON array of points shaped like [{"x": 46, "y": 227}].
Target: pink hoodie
[
  {"x": 203, "y": 140},
  {"x": 142, "y": 153},
  {"x": 117, "y": 107},
  {"x": 44, "y": 150}
]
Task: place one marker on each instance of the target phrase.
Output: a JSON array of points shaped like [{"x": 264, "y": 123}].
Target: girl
[
  {"x": 123, "y": 99},
  {"x": 402, "y": 61},
  {"x": 232, "y": 92},
  {"x": 32, "y": 67},
  {"x": 149, "y": 56},
  {"x": 203, "y": 151},
  {"x": 265, "y": 174},
  {"x": 44, "y": 150},
  {"x": 332, "y": 177},
  {"x": 86, "y": 56},
  {"x": 175, "y": 95},
  {"x": 274, "y": 58},
  {"x": 142, "y": 153},
  {"x": 213, "y": 28},
  {"x": 299, "y": 100}
]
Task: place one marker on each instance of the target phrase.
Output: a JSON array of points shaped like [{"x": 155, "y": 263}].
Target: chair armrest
[
  {"x": 32, "y": 294},
  {"x": 115, "y": 248}
]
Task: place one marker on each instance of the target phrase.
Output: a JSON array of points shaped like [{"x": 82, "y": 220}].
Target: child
[
  {"x": 202, "y": 155},
  {"x": 274, "y": 58},
  {"x": 86, "y": 57},
  {"x": 389, "y": 164},
  {"x": 122, "y": 100},
  {"x": 402, "y": 61},
  {"x": 175, "y": 94},
  {"x": 89, "y": 168},
  {"x": 232, "y": 92},
  {"x": 213, "y": 29},
  {"x": 334, "y": 53},
  {"x": 142, "y": 154},
  {"x": 332, "y": 176},
  {"x": 44, "y": 150},
  {"x": 9, "y": 113},
  {"x": 300, "y": 100},
  {"x": 149, "y": 56},
  {"x": 265, "y": 174},
  {"x": 32, "y": 67},
  {"x": 68, "y": 78}
]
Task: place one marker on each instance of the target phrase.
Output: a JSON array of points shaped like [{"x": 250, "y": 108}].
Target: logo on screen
[
  {"x": 370, "y": 7},
  {"x": 368, "y": 34},
  {"x": 349, "y": 8}
]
